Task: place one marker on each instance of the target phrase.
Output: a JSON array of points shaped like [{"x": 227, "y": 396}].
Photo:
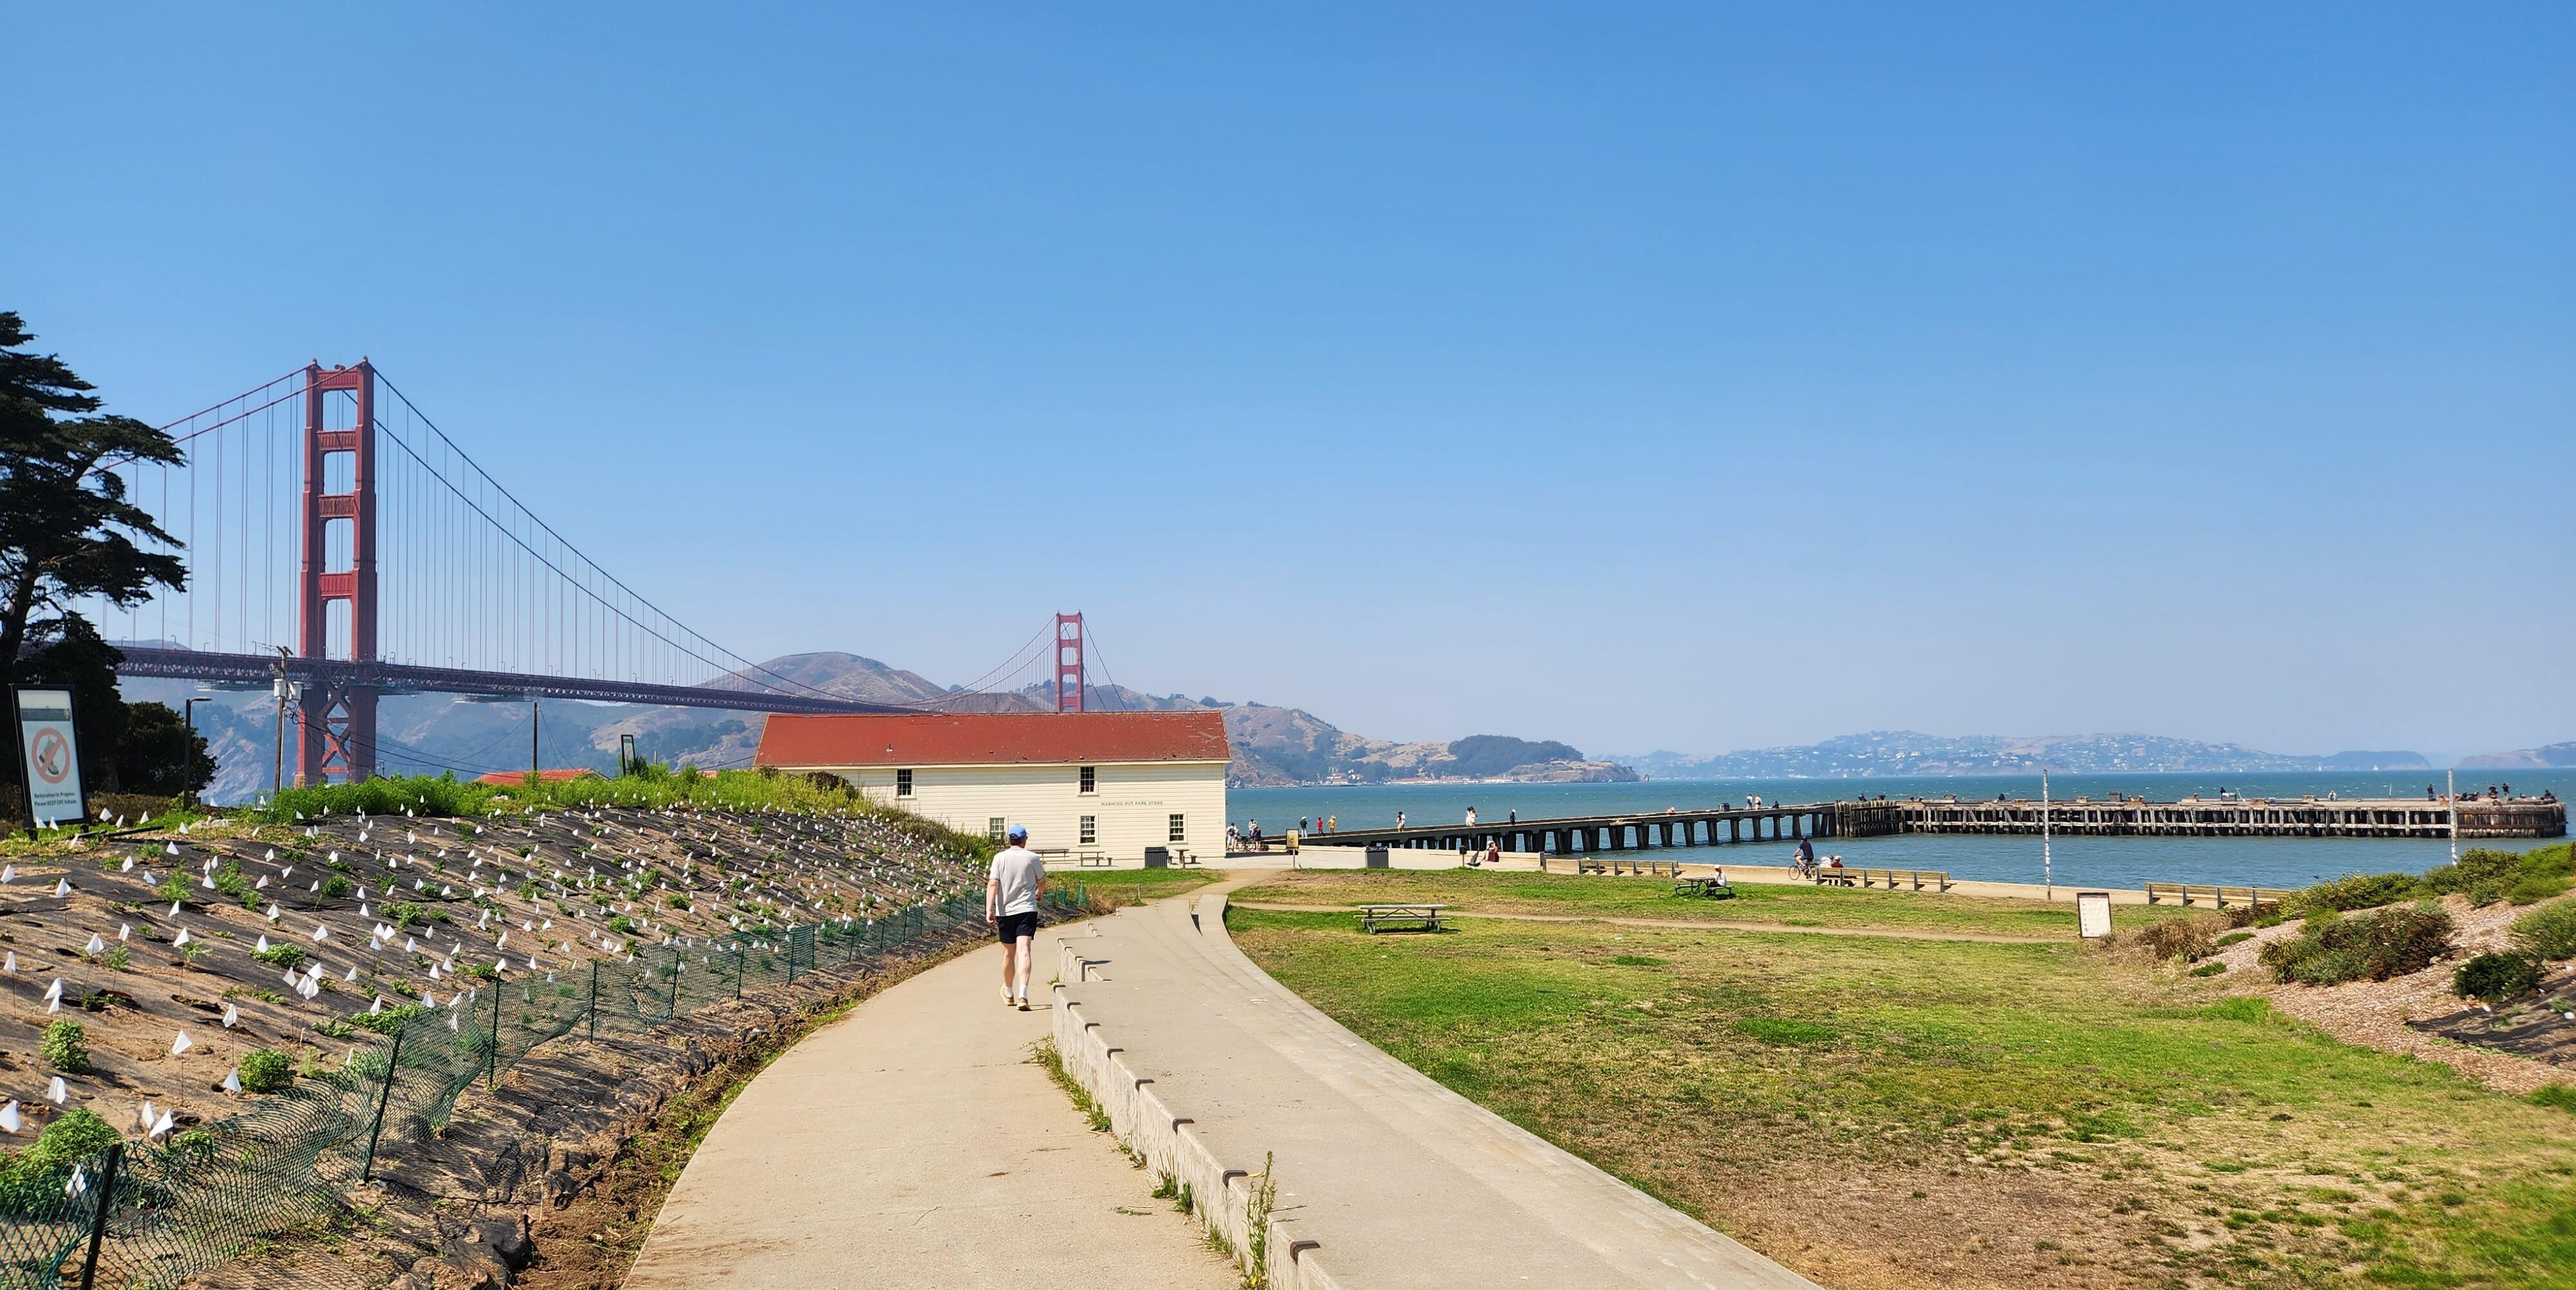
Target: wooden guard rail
[{"x": 2191, "y": 893}]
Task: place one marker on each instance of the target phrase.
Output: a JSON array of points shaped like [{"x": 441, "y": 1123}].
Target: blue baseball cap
[{"x": 1017, "y": 834}]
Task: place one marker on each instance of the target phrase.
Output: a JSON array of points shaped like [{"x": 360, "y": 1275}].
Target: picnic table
[
  {"x": 1423, "y": 917},
  {"x": 1709, "y": 886}
]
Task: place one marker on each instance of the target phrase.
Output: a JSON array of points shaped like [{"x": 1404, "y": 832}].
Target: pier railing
[{"x": 2309, "y": 817}]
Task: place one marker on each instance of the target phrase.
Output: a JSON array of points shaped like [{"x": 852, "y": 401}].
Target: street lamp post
[{"x": 189, "y": 757}]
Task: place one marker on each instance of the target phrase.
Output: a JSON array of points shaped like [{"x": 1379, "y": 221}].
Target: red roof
[
  {"x": 991, "y": 738},
  {"x": 509, "y": 777}
]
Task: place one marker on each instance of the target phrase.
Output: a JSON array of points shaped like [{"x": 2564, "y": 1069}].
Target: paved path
[
  {"x": 912, "y": 1144},
  {"x": 1729, "y": 925},
  {"x": 1401, "y": 1183}
]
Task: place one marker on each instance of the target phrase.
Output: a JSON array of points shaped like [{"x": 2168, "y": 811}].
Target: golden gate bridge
[{"x": 341, "y": 548}]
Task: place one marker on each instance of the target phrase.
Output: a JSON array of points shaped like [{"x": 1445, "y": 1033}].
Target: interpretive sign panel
[
  {"x": 46, "y": 747},
  {"x": 2093, "y": 914}
]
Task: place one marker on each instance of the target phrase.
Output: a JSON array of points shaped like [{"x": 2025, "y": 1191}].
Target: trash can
[
  {"x": 1377, "y": 855},
  {"x": 1158, "y": 857}
]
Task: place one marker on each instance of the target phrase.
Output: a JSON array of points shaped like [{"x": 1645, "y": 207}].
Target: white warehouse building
[{"x": 1113, "y": 783}]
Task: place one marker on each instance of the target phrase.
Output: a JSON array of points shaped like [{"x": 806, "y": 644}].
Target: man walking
[{"x": 1011, "y": 906}]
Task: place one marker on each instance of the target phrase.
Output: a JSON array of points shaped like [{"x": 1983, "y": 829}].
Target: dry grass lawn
[{"x": 1879, "y": 1112}]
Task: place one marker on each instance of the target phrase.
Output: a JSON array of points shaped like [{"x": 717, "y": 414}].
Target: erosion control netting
[{"x": 182, "y": 1205}]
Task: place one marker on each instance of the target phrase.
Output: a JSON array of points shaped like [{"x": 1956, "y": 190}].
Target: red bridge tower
[
  {"x": 1068, "y": 662},
  {"x": 337, "y": 611}
]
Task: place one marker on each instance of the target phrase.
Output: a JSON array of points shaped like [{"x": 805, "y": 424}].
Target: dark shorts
[{"x": 1011, "y": 927}]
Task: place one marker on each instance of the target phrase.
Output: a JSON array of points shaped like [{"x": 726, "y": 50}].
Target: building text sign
[{"x": 47, "y": 750}]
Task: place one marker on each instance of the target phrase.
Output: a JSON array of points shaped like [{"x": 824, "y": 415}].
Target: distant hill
[
  {"x": 1906, "y": 752},
  {"x": 428, "y": 734},
  {"x": 2543, "y": 757}
]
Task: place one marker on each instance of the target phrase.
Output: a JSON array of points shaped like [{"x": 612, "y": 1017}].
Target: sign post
[{"x": 50, "y": 751}]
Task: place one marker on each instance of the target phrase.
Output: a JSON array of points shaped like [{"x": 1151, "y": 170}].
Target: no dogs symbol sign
[{"x": 51, "y": 754}]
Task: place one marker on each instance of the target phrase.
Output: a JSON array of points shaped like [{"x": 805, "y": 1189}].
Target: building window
[
  {"x": 1091, "y": 779},
  {"x": 1178, "y": 834},
  {"x": 1090, "y": 829},
  {"x": 903, "y": 783},
  {"x": 995, "y": 828}
]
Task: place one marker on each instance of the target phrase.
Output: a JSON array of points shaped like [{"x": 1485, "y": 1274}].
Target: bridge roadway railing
[{"x": 255, "y": 671}]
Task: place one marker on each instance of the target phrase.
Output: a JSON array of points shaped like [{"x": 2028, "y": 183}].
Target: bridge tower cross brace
[
  {"x": 337, "y": 593},
  {"x": 1068, "y": 662}
]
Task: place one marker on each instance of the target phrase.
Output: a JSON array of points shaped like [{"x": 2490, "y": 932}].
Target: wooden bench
[
  {"x": 2186, "y": 893},
  {"x": 1421, "y": 917},
  {"x": 1711, "y": 887},
  {"x": 1892, "y": 879},
  {"x": 1621, "y": 866}
]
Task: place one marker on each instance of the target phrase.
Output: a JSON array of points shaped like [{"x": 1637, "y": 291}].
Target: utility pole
[
  {"x": 277, "y": 775},
  {"x": 189, "y": 715},
  {"x": 2047, "y": 867},
  {"x": 2451, "y": 782},
  {"x": 532, "y": 738}
]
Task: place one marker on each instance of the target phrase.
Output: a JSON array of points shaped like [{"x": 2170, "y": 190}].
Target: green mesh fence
[{"x": 149, "y": 1214}]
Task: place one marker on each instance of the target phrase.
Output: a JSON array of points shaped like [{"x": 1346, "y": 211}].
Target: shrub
[
  {"x": 174, "y": 887},
  {"x": 74, "y": 1136},
  {"x": 2475, "y": 867},
  {"x": 677, "y": 900},
  {"x": 387, "y": 1021},
  {"x": 2180, "y": 938},
  {"x": 2496, "y": 977},
  {"x": 414, "y": 914},
  {"x": 338, "y": 885},
  {"x": 620, "y": 925},
  {"x": 2533, "y": 888},
  {"x": 266, "y": 1070},
  {"x": 289, "y": 957},
  {"x": 2548, "y": 932},
  {"x": 120, "y": 956},
  {"x": 2375, "y": 946},
  {"x": 66, "y": 1046},
  {"x": 2356, "y": 891}
]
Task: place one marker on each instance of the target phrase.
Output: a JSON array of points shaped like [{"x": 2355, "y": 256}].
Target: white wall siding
[{"x": 1132, "y": 806}]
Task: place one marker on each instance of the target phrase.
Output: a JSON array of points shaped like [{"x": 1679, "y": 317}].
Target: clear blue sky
[{"x": 1698, "y": 378}]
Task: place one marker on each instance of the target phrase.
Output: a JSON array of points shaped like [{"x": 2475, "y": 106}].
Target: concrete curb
[{"x": 1222, "y": 1196}]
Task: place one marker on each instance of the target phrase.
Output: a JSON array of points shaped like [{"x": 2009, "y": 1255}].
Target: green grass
[
  {"x": 1973, "y": 1098},
  {"x": 1785, "y": 904},
  {"x": 1111, "y": 888}
]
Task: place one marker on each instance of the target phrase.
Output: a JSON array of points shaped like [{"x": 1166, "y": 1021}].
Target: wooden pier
[{"x": 2305, "y": 817}]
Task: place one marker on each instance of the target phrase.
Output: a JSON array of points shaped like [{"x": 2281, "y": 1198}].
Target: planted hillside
[{"x": 257, "y": 1004}]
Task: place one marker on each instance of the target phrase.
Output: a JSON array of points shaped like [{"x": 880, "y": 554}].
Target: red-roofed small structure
[{"x": 1113, "y": 783}]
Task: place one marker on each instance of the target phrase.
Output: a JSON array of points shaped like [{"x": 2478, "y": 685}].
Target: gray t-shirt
[{"x": 1019, "y": 870}]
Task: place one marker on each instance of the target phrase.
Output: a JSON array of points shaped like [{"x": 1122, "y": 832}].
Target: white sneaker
[{"x": 1006, "y": 996}]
